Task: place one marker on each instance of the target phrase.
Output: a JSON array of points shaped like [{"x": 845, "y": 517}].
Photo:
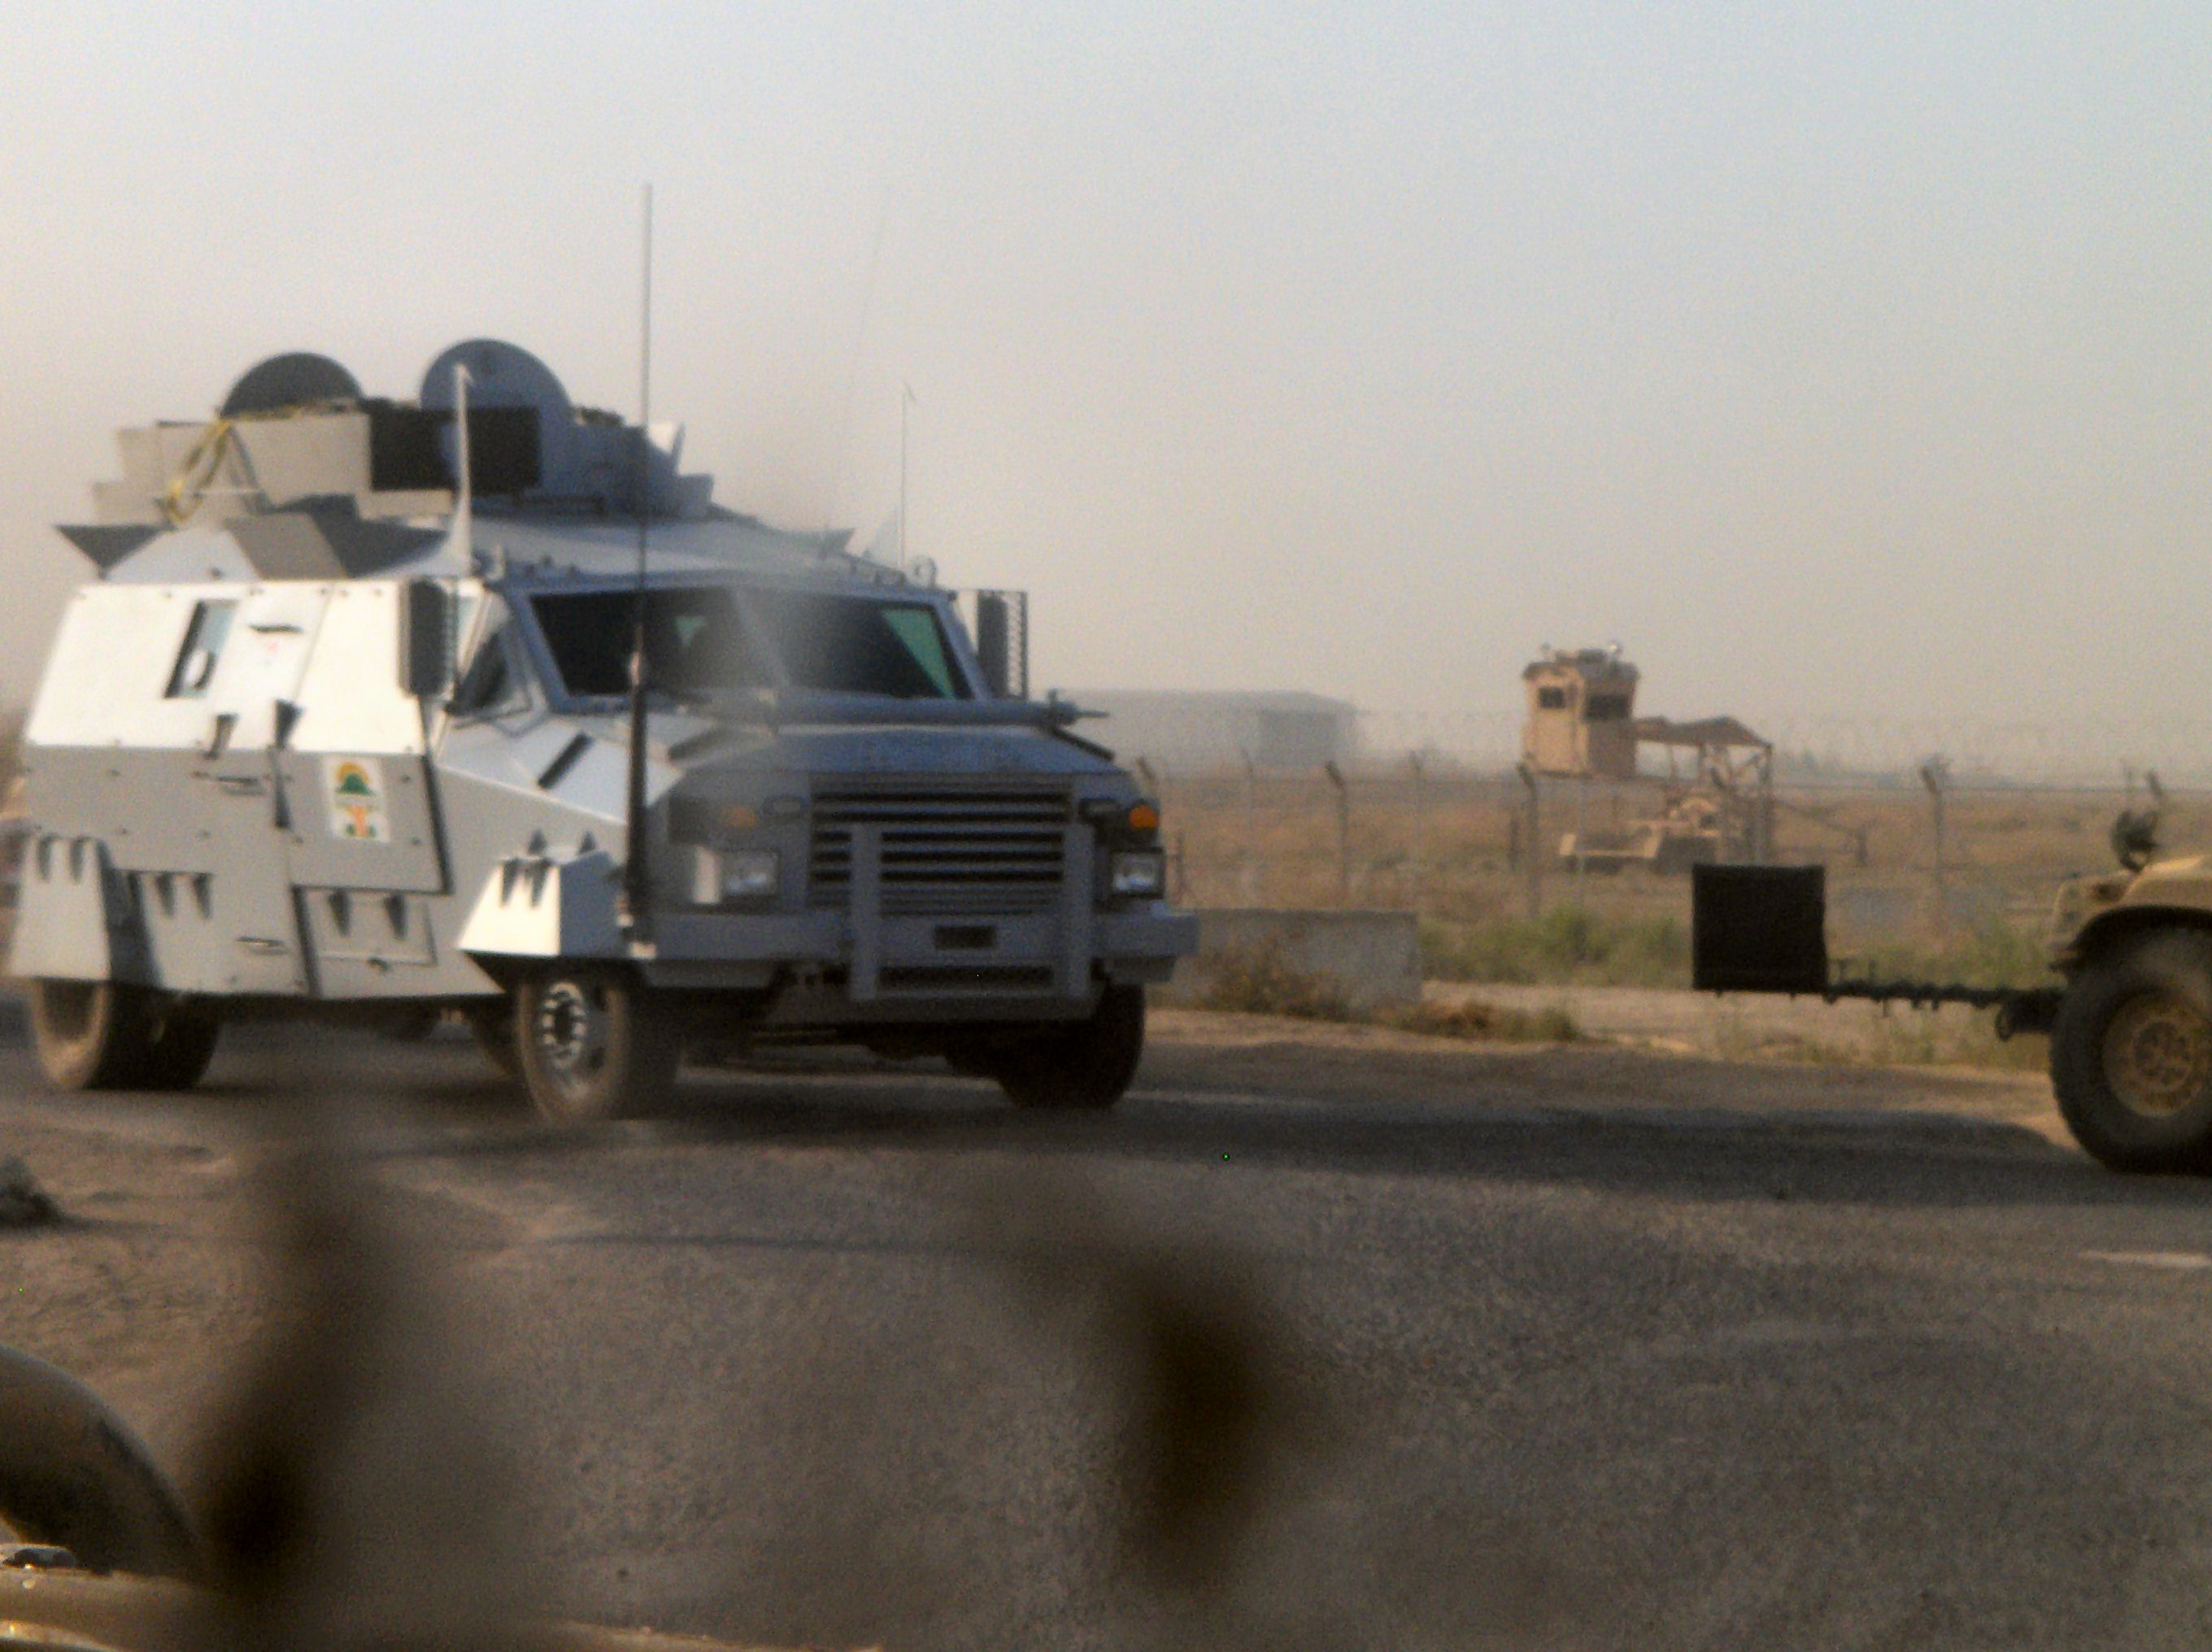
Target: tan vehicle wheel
[
  {"x": 593, "y": 1044},
  {"x": 1087, "y": 1066},
  {"x": 91, "y": 1035},
  {"x": 2131, "y": 1053}
]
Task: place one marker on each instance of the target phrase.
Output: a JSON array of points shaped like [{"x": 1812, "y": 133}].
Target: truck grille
[{"x": 987, "y": 854}]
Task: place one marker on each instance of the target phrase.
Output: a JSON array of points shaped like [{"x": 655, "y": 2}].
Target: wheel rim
[
  {"x": 2158, "y": 1055},
  {"x": 570, "y": 1030}
]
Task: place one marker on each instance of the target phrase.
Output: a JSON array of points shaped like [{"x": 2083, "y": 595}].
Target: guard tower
[{"x": 1582, "y": 709}]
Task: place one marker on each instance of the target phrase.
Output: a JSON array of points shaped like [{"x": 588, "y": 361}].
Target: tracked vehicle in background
[{"x": 344, "y": 726}]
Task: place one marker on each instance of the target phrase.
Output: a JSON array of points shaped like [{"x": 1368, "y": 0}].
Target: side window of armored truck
[
  {"x": 857, "y": 645},
  {"x": 203, "y": 648},
  {"x": 490, "y": 684}
]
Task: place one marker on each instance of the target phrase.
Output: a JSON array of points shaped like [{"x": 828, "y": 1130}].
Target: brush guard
[{"x": 1763, "y": 929}]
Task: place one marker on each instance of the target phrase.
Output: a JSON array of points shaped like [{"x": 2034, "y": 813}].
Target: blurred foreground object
[{"x": 355, "y": 1496}]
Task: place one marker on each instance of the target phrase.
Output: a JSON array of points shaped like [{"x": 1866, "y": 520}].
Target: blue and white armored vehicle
[{"x": 345, "y": 724}]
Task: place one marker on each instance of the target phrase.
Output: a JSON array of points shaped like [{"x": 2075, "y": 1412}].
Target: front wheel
[
  {"x": 2131, "y": 1053},
  {"x": 593, "y": 1044},
  {"x": 1085, "y": 1066}
]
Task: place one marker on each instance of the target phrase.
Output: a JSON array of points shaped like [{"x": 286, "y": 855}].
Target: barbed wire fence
[
  {"x": 1909, "y": 854},
  {"x": 1998, "y": 750}
]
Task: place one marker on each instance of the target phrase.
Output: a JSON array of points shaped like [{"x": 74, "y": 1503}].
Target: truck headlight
[
  {"x": 750, "y": 874},
  {"x": 1137, "y": 873},
  {"x": 722, "y": 875}
]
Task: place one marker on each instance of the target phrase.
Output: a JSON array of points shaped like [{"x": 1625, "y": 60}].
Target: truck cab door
[
  {"x": 250, "y": 697},
  {"x": 364, "y": 851}
]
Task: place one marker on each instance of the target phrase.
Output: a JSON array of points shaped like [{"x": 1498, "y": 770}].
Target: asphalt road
[{"x": 860, "y": 1356}]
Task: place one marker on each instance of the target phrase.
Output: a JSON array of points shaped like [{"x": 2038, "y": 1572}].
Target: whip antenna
[
  {"x": 637, "y": 882},
  {"x": 463, "y": 529}
]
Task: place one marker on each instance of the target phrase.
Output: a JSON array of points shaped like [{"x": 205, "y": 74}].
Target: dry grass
[
  {"x": 1471, "y": 1018},
  {"x": 1262, "y": 982},
  {"x": 1866, "y": 1036}
]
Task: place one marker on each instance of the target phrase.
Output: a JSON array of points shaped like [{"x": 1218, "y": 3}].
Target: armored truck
[{"x": 479, "y": 705}]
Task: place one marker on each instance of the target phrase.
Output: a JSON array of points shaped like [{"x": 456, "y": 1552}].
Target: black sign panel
[{"x": 1758, "y": 929}]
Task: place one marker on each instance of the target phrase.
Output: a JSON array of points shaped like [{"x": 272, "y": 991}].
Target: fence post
[
  {"x": 1935, "y": 774},
  {"x": 1420, "y": 827},
  {"x": 1581, "y": 838},
  {"x": 1343, "y": 831},
  {"x": 1248, "y": 877},
  {"x": 1531, "y": 840}
]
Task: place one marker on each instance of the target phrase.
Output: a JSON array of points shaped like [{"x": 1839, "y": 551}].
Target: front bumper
[
  {"x": 992, "y": 914},
  {"x": 841, "y": 967}
]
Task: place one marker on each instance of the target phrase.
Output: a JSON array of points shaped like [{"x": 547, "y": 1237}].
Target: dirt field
[{"x": 1745, "y": 1028}]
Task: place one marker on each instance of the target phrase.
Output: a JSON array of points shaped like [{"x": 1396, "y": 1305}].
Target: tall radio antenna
[
  {"x": 462, "y": 532},
  {"x": 637, "y": 882}
]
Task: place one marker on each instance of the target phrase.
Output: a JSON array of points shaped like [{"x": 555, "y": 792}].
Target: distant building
[{"x": 1190, "y": 732}]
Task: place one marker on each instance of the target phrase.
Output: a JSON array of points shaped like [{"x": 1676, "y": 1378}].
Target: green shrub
[
  {"x": 1568, "y": 944},
  {"x": 1997, "y": 954}
]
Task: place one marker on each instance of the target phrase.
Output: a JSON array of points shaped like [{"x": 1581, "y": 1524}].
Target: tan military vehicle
[{"x": 2129, "y": 1010}]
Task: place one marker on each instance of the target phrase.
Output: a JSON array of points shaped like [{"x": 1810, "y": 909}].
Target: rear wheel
[
  {"x": 2131, "y": 1053},
  {"x": 91, "y": 1035},
  {"x": 1085, "y": 1066},
  {"x": 593, "y": 1044},
  {"x": 491, "y": 1023}
]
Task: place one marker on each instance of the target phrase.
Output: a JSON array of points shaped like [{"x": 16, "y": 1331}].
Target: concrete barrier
[{"x": 1373, "y": 957}]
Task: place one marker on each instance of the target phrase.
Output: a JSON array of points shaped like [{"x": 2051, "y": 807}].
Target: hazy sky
[{"x": 1849, "y": 363}]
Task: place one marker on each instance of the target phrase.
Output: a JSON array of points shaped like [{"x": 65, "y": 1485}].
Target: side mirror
[
  {"x": 1002, "y": 642},
  {"x": 428, "y": 618}
]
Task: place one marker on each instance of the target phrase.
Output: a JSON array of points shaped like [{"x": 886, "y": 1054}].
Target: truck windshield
[
  {"x": 697, "y": 644},
  {"x": 852, "y": 645}
]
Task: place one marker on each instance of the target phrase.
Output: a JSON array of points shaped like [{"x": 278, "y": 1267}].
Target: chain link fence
[{"x": 1921, "y": 861}]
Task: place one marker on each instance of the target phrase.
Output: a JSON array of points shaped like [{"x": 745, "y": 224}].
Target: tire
[
  {"x": 91, "y": 1035},
  {"x": 2131, "y": 1053},
  {"x": 593, "y": 1044},
  {"x": 492, "y": 1025},
  {"x": 1086, "y": 1068},
  {"x": 182, "y": 1045}
]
